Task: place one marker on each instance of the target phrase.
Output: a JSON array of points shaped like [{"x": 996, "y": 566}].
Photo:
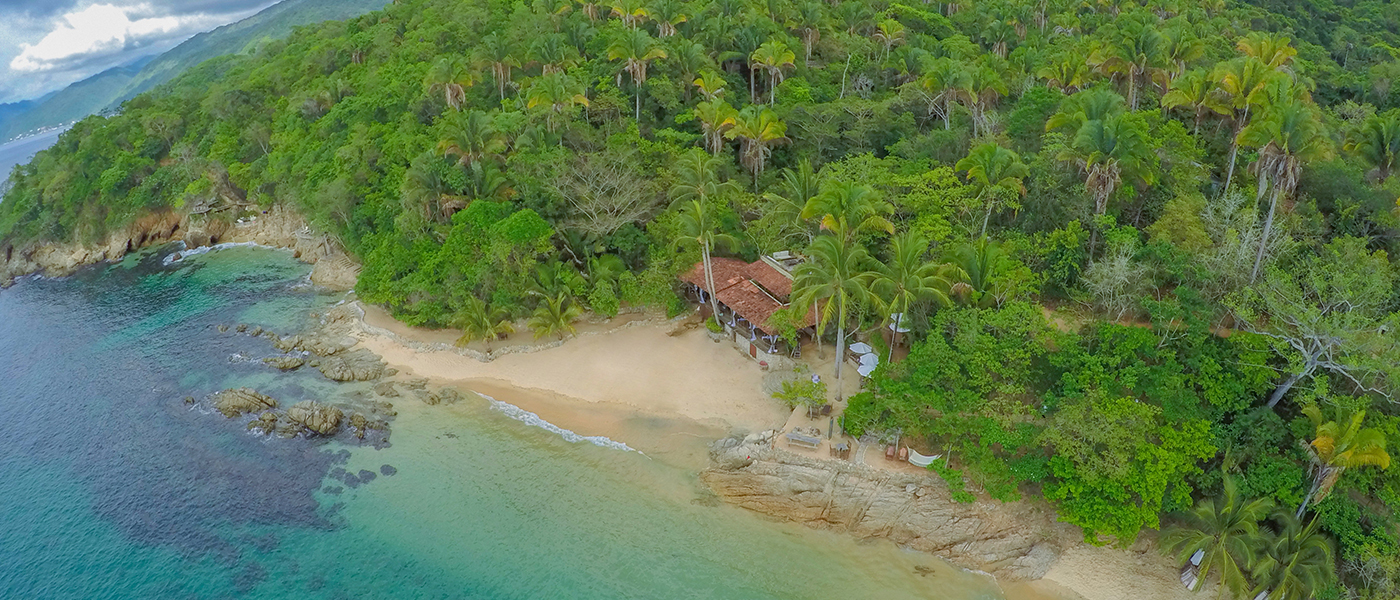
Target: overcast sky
[{"x": 47, "y": 44}]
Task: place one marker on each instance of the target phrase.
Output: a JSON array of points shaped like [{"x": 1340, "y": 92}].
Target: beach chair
[{"x": 919, "y": 460}]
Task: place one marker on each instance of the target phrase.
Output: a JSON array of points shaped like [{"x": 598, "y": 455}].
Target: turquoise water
[{"x": 111, "y": 487}]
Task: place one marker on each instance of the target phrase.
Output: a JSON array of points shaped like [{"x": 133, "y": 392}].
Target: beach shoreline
[{"x": 667, "y": 391}]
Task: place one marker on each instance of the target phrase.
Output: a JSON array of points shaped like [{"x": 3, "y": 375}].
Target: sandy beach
[{"x": 668, "y": 395}]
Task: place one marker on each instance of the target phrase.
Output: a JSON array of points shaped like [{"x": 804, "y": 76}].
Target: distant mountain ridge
[{"x": 110, "y": 88}]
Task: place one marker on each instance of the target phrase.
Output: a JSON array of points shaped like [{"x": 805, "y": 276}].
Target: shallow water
[{"x": 111, "y": 487}]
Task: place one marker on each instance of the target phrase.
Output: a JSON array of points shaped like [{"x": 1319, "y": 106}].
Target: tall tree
[
  {"x": 772, "y": 57},
  {"x": 636, "y": 49},
  {"x": 716, "y": 118},
  {"x": 1110, "y": 151},
  {"x": 758, "y": 129},
  {"x": 836, "y": 280},
  {"x": 1328, "y": 312},
  {"x": 555, "y": 317},
  {"x": 1243, "y": 84},
  {"x": 908, "y": 279},
  {"x": 1295, "y": 562},
  {"x": 1196, "y": 91},
  {"x": 497, "y": 54},
  {"x": 1378, "y": 143},
  {"x": 847, "y": 208},
  {"x": 1287, "y": 136},
  {"x": 558, "y": 93},
  {"x": 1338, "y": 445},
  {"x": 700, "y": 226},
  {"x": 471, "y": 137},
  {"x": 451, "y": 75},
  {"x": 1226, "y": 530},
  {"x": 996, "y": 173},
  {"x": 796, "y": 188}
]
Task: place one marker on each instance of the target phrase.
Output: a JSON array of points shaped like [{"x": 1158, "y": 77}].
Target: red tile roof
[{"x": 742, "y": 288}]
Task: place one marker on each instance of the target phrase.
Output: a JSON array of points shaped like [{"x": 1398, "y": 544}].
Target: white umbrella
[
  {"x": 869, "y": 359},
  {"x": 861, "y": 348},
  {"x": 865, "y": 370},
  {"x": 897, "y": 323}
]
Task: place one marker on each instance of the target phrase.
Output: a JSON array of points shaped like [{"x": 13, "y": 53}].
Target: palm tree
[
  {"x": 1140, "y": 55},
  {"x": 497, "y": 54},
  {"x": 981, "y": 88},
  {"x": 772, "y": 57},
  {"x": 907, "y": 279},
  {"x": 555, "y": 278},
  {"x": 1109, "y": 151},
  {"x": 697, "y": 177},
  {"x": 423, "y": 188},
  {"x": 808, "y": 24},
  {"x": 636, "y": 49},
  {"x": 846, "y": 208},
  {"x": 480, "y": 322},
  {"x": 710, "y": 84},
  {"x": 557, "y": 92},
  {"x": 1269, "y": 48},
  {"x": 940, "y": 86},
  {"x": 668, "y": 14},
  {"x": 690, "y": 59},
  {"x": 1288, "y": 135},
  {"x": 1339, "y": 445},
  {"x": 631, "y": 12},
  {"x": 451, "y": 75},
  {"x": 1182, "y": 47},
  {"x": 890, "y": 33},
  {"x": 1226, "y": 530},
  {"x": 1067, "y": 72},
  {"x": 1197, "y": 91},
  {"x": 795, "y": 189},
  {"x": 837, "y": 282},
  {"x": 978, "y": 270},
  {"x": 1095, "y": 104},
  {"x": 716, "y": 117},
  {"x": 1296, "y": 562},
  {"x": 699, "y": 225},
  {"x": 554, "y": 53},
  {"x": 1378, "y": 143},
  {"x": 758, "y": 128},
  {"x": 1243, "y": 82},
  {"x": 471, "y": 137},
  {"x": 555, "y": 317},
  {"x": 994, "y": 172}
]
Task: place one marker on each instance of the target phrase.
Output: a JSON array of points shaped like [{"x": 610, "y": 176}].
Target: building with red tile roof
[{"x": 752, "y": 292}]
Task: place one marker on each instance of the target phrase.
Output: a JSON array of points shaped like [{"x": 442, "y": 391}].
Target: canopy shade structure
[
  {"x": 865, "y": 370},
  {"x": 897, "y": 324},
  {"x": 861, "y": 348},
  {"x": 869, "y": 359}
]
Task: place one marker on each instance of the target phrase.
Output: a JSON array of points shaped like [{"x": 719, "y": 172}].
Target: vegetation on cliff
[{"x": 1206, "y": 190}]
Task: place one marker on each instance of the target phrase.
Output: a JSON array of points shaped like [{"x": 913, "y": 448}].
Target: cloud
[{"x": 102, "y": 30}]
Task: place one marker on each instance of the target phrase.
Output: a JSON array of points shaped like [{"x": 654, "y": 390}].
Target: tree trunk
[
  {"x": 816, "y": 328},
  {"x": 986, "y": 218},
  {"x": 948, "y": 113},
  {"x": 639, "y": 106},
  {"x": 710, "y": 281},
  {"x": 1292, "y": 380},
  {"x": 840, "y": 359},
  {"x": 1264, "y": 239},
  {"x": 1234, "y": 148},
  {"x": 1317, "y": 485}
]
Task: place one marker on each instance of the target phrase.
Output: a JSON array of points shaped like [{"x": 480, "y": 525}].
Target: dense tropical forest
[{"x": 1144, "y": 247}]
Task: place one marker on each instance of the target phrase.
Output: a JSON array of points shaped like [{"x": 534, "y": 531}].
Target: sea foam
[
  {"x": 534, "y": 420},
  {"x": 182, "y": 253}
]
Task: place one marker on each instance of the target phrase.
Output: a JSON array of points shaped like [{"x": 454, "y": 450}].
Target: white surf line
[{"x": 534, "y": 420}]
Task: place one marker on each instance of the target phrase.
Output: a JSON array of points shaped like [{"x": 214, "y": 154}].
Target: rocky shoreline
[
  {"x": 1010, "y": 541},
  {"x": 277, "y": 227}
]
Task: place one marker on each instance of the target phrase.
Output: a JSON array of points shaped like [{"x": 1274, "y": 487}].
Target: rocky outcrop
[
  {"x": 285, "y": 363},
  {"x": 239, "y": 401},
  {"x": 277, "y": 227},
  {"x": 355, "y": 365},
  {"x": 315, "y": 417},
  {"x": 1012, "y": 541}
]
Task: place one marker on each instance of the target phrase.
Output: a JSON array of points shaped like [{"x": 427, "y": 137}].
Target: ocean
[
  {"x": 112, "y": 486},
  {"x": 19, "y": 151}
]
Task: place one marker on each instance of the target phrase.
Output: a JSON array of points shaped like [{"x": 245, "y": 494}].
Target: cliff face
[
  {"x": 278, "y": 228},
  {"x": 1012, "y": 541}
]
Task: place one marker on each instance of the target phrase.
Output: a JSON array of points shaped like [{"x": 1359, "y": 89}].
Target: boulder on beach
[
  {"x": 266, "y": 423},
  {"x": 357, "y": 365},
  {"x": 285, "y": 363},
  {"x": 234, "y": 402},
  {"x": 317, "y": 418}
]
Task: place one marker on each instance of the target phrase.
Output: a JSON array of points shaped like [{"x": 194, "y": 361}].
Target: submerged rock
[
  {"x": 255, "y": 332},
  {"x": 386, "y": 389},
  {"x": 234, "y": 402},
  {"x": 366, "y": 476},
  {"x": 223, "y": 329},
  {"x": 285, "y": 363},
  {"x": 315, "y": 417},
  {"x": 242, "y": 327},
  {"x": 266, "y": 423},
  {"x": 387, "y": 470},
  {"x": 358, "y": 365}
]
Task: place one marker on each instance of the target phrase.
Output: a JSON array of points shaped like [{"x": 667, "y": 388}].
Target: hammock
[{"x": 920, "y": 460}]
